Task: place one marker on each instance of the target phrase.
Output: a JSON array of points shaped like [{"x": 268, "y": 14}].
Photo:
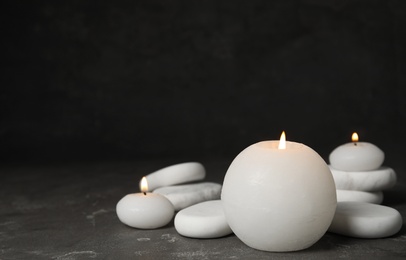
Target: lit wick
[
  {"x": 282, "y": 141},
  {"x": 354, "y": 138},
  {"x": 144, "y": 185}
]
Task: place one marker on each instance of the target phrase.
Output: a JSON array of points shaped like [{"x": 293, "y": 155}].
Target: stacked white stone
[
  {"x": 363, "y": 181},
  {"x": 166, "y": 182},
  {"x": 201, "y": 212},
  {"x": 363, "y": 186},
  {"x": 360, "y": 179}
]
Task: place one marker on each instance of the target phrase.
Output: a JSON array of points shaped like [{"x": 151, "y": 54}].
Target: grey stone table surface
[{"x": 67, "y": 211}]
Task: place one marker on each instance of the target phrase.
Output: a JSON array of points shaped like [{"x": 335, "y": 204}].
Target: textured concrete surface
[{"x": 67, "y": 211}]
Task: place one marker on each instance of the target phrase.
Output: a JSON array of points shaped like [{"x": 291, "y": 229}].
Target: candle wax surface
[
  {"x": 279, "y": 200},
  {"x": 145, "y": 211},
  {"x": 359, "y": 156}
]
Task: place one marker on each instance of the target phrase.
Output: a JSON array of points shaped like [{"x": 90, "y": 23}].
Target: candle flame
[
  {"x": 144, "y": 184},
  {"x": 282, "y": 141},
  {"x": 354, "y": 137}
]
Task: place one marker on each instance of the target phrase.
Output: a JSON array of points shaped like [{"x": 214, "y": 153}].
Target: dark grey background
[
  {"x": 85, "y": 80},
  {"x": 95, "y": 95}
]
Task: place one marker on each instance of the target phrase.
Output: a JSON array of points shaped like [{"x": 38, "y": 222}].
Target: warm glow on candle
[
  {"x": 354, "y": 137},
  {"x": 282, "y": 141},
  {"x": 144, "y": 185}
]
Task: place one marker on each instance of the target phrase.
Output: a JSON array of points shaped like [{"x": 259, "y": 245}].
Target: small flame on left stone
[{"x": 144, "y": 185}]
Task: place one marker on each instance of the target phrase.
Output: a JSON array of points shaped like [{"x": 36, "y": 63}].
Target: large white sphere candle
[
  {"x": 356, "y": 156},
  {"x": 145, "y": 210},
  {"x": 279, "y": 199}
]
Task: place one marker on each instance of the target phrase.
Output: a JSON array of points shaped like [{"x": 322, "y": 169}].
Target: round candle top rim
[
  {"x": 142, "y": 194},
  {"x": 358, "y": 143},
  {"x": 273, "y": 145}
]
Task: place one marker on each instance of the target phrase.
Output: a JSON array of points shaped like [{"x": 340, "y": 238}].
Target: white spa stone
[
  {"x": 176, "y": 174},
  {"x": 357, "y": 156},
  {"x": 203, "y": 220},
  {"x": 361, "y": 196},
  {"x": 145, "y": 211},
  {"x": 376, "y": 180},
  {"x": 183, "y": 196},
  {"x": 365, "y": 220}
]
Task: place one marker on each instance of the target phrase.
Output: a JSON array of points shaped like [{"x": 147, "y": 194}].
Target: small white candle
[
  {"x": 145, "y": 210},
  {"x": 279, "y": 199},
  {"x": 356, "y": 156}
]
